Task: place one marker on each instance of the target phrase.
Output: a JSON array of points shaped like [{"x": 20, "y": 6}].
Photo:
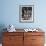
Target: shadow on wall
[{"x": 2, "y": 26}]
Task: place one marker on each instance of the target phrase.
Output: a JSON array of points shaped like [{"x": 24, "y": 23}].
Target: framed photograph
[{"x": 26, "y": 13}]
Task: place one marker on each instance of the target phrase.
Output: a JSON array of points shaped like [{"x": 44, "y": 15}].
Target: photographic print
[{"x": 26, "y": 13}]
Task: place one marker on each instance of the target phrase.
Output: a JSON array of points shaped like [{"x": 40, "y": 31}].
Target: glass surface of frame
[{"x": 26, "y": 13}]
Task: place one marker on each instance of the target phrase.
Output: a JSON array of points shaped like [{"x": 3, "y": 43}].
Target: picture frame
[{"x": 26, "y": 13}]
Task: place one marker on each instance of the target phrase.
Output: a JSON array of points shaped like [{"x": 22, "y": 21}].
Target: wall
[{"x": 9, "y": 13}]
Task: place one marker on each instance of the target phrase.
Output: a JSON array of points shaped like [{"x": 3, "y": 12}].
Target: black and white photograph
[{"x": 26, "y": 13}]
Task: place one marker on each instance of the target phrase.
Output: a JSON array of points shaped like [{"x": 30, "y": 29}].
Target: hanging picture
[{"x": 26, "y": 13}]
